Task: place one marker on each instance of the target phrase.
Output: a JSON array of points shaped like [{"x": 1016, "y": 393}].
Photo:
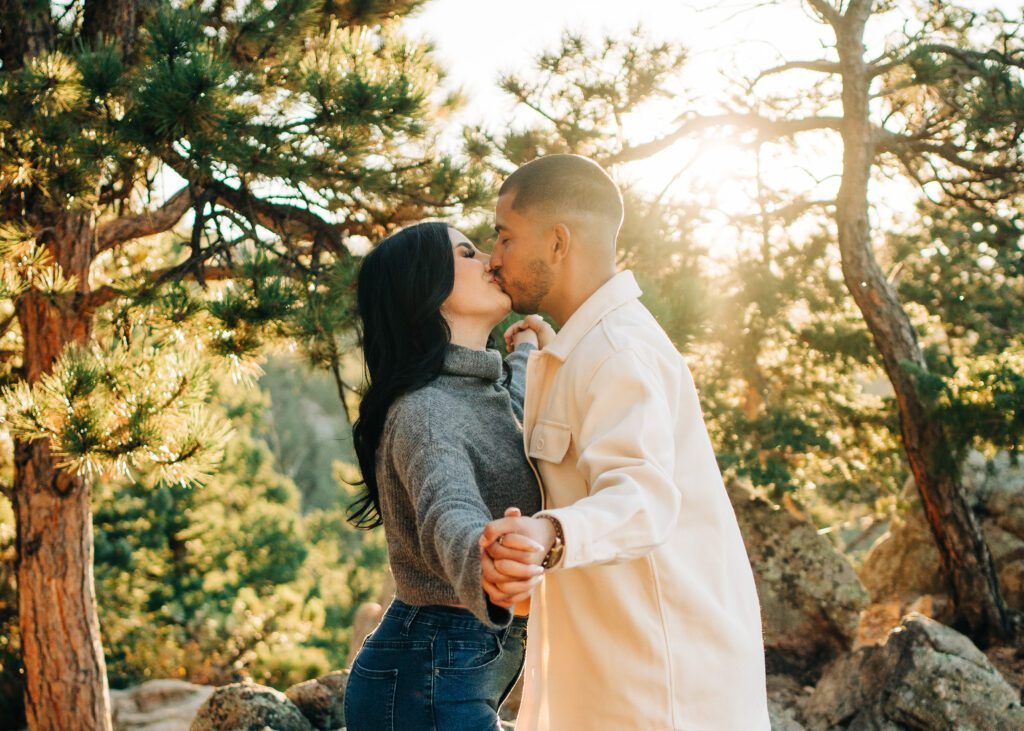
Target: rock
[
  {"x": 249, "y": 707},
  {"x": 926, "y": 676},
  {"x": 322, "y": 701},
  {"x": 1002, "y": 493},
  {"x": 786, "y": 698},
  {"x": 810, "y": 595},
  {"x": 368, "y": 616},
  {"x": 366, "y": 620},
  {"x": 877, "y": 621},
  {"x": 904, "y": 563},
  {"x": 157, "y": 705}
]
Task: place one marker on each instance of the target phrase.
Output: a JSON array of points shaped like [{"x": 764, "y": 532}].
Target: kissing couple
[{"x": 568, "y": 492}]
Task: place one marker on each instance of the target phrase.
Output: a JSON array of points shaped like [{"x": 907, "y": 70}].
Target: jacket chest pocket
[{"x": 550, "y": 441}]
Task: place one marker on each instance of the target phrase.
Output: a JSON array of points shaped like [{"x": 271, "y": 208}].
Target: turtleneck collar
[{"x": 461, "y": 361}]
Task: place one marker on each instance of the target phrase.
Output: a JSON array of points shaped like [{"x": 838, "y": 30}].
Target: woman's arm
[
  {"x": 516, "y": 361},
  {"x": 450, "y": 513}
]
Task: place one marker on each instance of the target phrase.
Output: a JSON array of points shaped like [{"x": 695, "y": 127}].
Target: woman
[{"x": 439, "y": 441}]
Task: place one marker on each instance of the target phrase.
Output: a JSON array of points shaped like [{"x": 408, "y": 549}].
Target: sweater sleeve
[
  {"x": 450, "y": 513},
  {"x": 516, "y": 361}
]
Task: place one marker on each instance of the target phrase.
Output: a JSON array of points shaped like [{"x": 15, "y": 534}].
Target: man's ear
[{"x": 561, "y": 243}]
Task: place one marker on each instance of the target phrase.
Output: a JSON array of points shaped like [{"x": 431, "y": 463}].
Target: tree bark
[
  {"x": 65, "y": 673},
  {"x": 115, "y": 20},
  {"x": 26, "y": 30},
  {"x": 965, "y": 555}
]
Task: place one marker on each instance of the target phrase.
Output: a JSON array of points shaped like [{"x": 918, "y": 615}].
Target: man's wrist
[{"x": 556, "y": 550}]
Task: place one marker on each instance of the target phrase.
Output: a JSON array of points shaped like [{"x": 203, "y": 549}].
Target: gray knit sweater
[{"x": 451, "y": 459}]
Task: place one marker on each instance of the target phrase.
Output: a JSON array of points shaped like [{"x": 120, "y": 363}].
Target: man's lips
[{"x": 496, "y": 281}]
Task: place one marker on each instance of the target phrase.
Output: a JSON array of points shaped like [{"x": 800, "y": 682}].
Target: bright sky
[{"x": 478, "y": 40}]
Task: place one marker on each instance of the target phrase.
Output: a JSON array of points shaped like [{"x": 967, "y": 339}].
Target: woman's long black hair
[{"x": 402, "y": 284}]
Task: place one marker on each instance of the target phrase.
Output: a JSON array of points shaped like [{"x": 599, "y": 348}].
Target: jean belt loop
[
  {"x": 506, "y": 631},
  {"x": 409, "y": 619}
]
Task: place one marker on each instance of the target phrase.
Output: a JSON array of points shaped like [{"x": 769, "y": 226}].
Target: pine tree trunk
[
  {"x": 65, "y": 673},
  {"x": 965, "y": 555}
]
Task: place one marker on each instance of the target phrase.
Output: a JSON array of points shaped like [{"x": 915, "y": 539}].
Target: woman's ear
[{"x": 561, "y": 243}]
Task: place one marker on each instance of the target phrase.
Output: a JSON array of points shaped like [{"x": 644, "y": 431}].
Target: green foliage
[
  {"x": 228, "y": 581},
  {"x": 583, "y": 91},
  {"x": 130, "y": 408},
  {"x": 306, "y": 426},
  {"x": 779, "y": 352},
  {"x": 11, "y": 685}
]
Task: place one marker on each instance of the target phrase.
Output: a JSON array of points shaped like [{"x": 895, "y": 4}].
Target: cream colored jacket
[{"x": 652, "y": 621}]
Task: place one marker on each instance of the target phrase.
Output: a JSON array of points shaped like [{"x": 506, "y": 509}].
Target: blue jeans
[{"x": 433, "y": 668}]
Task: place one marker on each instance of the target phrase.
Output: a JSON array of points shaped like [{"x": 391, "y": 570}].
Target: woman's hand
[{"x": 531, "y": 329}]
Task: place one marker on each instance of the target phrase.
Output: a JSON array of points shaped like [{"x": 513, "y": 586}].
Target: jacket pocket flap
[{"x": 550, "y": 441}]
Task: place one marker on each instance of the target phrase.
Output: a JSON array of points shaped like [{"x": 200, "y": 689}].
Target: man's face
[{"x": 519, "y": 259}]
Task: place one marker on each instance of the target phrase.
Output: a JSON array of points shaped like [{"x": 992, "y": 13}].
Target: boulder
[
  {"x": 367, "y": 617},
  {"x": 786, "y": 698},
  {"x": 157, "y": 705},
  {"x": 322, "y": 701},
  {"x": 926, "y": 676},
  {"x": 249, "y": 707},
  {"x": 904, "y": 563},
  {"x": 810, "y": 595}
]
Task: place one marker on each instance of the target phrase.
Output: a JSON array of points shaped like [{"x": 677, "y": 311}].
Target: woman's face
[{"x": 476, "y": 295}]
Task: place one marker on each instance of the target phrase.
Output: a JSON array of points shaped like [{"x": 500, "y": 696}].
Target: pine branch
[
  {"x": 970, "y": 58},
  {"x": 766, "y": 128},
  {"x": 826, "y": 11},
  {"x": 949, "y": 152},
  {"x": 287, "y": 221},
  {"x": 824, "y": 67},
  {"x": 101, "y": 296},
  {"x": 111, "y": 233},
  {"x": 7, "y": 322}
]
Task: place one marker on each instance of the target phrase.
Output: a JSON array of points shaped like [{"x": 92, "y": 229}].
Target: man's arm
[{"x": 627, "y": 454}]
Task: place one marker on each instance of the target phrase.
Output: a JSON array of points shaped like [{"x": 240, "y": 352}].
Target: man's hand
[
  {"x": 513, "y": 549},
  {"x": 531, "y": 329}
]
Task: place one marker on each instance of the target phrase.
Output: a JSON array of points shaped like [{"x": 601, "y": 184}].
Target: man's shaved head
[{"x": 566, "y": 185}]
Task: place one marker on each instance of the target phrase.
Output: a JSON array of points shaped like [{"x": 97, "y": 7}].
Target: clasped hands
[{"x": 512, "y": 550}]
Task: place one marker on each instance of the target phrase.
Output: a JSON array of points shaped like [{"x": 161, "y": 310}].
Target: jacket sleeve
[
  {"x": 627, "y": 453},
  {"x": 450, "y": 513}
]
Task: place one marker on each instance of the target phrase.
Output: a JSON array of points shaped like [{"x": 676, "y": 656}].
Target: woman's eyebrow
[{"x": 467, "y": 245}]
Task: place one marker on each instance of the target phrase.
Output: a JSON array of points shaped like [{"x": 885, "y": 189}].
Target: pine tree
[
  {"x": 778, "y": 363},
  {"x": 276, "y": 134},
  {"x": 939, "y": 105}
]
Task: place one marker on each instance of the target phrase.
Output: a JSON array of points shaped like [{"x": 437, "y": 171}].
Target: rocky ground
[{"x": 865, "y": 650}]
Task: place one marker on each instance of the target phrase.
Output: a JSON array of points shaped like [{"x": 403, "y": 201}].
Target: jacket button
[{"x": 540, "y": 443}]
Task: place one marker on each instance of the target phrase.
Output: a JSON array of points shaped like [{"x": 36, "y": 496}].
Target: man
[{"x": 647, "y": 617}]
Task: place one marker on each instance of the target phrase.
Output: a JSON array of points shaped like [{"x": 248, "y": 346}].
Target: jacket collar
[{"x": 611, "y": 295}]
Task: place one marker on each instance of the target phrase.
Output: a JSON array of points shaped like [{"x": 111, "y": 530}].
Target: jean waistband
[{"x": 441, "y": 615}]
